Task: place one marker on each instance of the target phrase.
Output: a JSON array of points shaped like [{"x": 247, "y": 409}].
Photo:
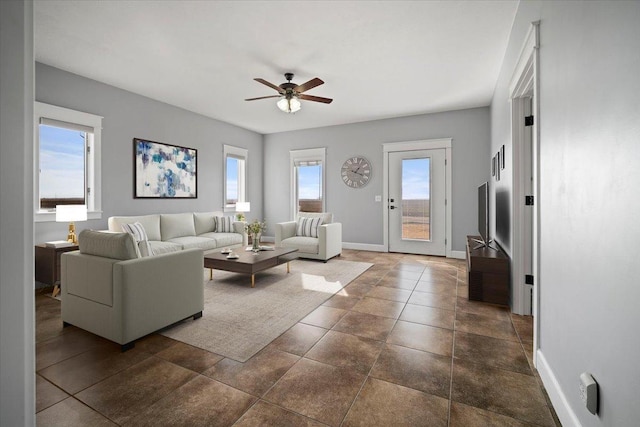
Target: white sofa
[
  {"x": 327, "y": 245},
  {"x": 175, "y": 232},
  {"x": 110, "y": 291}
]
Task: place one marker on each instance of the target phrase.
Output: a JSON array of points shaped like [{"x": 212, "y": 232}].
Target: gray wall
[
  {"x": 360, "y": 215},
  {"x": 589, "y": 205},
  {"x": 127, "y": 116},
  {"x": 17, "y": 351}
]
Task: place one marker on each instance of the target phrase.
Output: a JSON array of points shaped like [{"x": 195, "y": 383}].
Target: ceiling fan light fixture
[{"x": 289, "y": 104}]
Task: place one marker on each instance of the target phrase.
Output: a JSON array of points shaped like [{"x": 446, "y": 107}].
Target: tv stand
[
  {"x": 482, "y": 244},
  {"x": 489, "y": 272}
]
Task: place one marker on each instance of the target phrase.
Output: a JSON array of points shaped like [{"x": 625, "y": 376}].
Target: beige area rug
[{"x": 238, "y": 321}]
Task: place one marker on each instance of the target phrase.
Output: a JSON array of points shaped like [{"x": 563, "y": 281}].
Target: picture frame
[
  {"x": 493, "y": 166},
  {"x": 164, "y": 171},
  {"x": 502, "y": 157},
  {"x": 498, "y": 166}
]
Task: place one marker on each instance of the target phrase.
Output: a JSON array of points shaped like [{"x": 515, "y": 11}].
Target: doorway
[
  {"x": 525, "y": 120},
  {"x": 417, "y": 187}
]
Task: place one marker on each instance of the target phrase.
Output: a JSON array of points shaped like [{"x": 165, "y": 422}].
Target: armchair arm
[
  {"x": 238, "y": 227},
  {"x": 330, "y": 240},
  {"x": 284, "y": 230},
  {"x": 154, "y": 292}
]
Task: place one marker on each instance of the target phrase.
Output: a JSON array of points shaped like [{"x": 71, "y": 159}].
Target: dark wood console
[{"x": 489, "y": 273}]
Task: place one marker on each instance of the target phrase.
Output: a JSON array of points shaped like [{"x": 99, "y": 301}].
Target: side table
[{"x": 47, "y": 262}]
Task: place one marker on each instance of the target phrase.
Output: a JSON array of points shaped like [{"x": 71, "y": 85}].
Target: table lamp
[
  {"x": 70, "y": 214},
  {"x": 241, "y": 208}
]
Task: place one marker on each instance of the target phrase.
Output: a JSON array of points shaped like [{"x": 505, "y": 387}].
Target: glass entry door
[{"x": 417, "y": 202}]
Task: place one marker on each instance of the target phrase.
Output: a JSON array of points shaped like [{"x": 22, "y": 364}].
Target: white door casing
[
  {"x": 524, "y": 95},
  {"x": 441, "y": 205}
]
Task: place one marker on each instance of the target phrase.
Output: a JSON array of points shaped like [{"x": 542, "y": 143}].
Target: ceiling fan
[{"x": 290, "y": 94}]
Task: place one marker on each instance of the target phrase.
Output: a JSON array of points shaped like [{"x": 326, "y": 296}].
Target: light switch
[{"x": 378, "y": 198}]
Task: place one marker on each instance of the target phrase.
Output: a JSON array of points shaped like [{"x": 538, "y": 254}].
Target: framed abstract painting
[{"x": 164, "y": 171}]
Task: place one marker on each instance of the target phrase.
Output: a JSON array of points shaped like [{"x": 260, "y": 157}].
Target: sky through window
[{"x": 62, "y": 162}]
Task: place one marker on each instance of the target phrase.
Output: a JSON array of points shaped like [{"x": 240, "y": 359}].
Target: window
[
  {"x": 67, "y": 147},
  {"x": 235, "y": 176},
  {"x": 308, "y": 178}
]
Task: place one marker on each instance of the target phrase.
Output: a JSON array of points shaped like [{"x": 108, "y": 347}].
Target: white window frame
[
  {"x": 307, "y": 155},
  {"x": 240, "y": 154},
  {"x": 93, "y": 170}
]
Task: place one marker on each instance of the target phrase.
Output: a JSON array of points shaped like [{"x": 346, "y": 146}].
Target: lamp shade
[
  {"x": 243, "y": 207},
  {"x": 71, "y": 213}
]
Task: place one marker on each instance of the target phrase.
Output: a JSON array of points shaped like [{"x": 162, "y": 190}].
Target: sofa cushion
[
  {"x": 120, "y": 246},
  {"x": 176, "y": 225},
  {"x": 224, "y": 239},
  {"x": 137, "y": 231},
  {"x": 158, "y": 247},
  {"x": 189, "y": 242},
  {"x": 205, "y": 222},
  {"x": 308, "y": 227},
  {"x": 224, "y": 224},
  {"x": 308, "y": 245},
  {"x": 151, "y": 224},
  {"x": 327, "y": 217}
]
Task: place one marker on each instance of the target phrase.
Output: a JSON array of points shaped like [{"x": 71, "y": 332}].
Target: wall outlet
[
  {"x": 378, "y": 198},
  {"x": 589, "y": 392}
]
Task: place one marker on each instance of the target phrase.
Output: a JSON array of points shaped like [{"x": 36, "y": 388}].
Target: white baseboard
[
  {"x": 367, "y": 247},
  {"x": 364, "y": 247},
  {"x": 559, "y": 401}
]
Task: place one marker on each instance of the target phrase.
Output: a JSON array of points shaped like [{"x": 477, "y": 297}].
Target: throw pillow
[
  {"x": 224, "y": 224},
  {"x": 308, "y": 227},
  {"x": 137, "y": 231}
]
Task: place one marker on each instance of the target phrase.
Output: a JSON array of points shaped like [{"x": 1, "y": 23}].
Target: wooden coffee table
[{"x": 249, "y": 262}]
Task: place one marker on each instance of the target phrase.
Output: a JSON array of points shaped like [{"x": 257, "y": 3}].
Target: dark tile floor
[{"x": 399, "y": 346}]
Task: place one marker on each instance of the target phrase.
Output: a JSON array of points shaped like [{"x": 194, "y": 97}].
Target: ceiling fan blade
[
  {"x": 308, "y": 85},
  {"x": 271, "y": 85},
  {"x": 316, "y": 98},
  {"x": 263, "y": 97}
]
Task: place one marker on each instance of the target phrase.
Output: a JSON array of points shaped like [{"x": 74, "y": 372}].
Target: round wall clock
[{"x": 356, "y": 172}]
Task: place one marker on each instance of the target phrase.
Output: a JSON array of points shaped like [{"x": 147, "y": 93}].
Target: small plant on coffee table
[{"x": 255, "y": 229}]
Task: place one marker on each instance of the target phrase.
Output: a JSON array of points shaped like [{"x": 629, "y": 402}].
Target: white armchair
[
  {"x": 108, "y": 290},
  {"x": 327, "y": 245}
]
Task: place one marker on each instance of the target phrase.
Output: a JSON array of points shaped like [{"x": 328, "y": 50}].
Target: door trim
[
  {"x": 525, "y": 82},
  {"x": 427, "y": 144}
]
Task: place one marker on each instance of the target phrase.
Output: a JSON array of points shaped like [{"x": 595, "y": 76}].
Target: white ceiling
[{"x": 378, "y": 59}]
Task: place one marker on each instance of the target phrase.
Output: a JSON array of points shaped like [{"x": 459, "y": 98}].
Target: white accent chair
[
  {"x": 327, "y": 245},
  {"x": 110, "y": 291}
]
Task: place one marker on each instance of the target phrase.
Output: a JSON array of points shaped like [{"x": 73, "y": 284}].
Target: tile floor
[{"x": 399, "y": 346}]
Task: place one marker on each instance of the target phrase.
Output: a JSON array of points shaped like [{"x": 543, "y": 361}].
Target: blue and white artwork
[{"x": 165, "y": 171}]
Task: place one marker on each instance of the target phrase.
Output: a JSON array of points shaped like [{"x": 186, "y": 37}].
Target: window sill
[{"x": 46, "y": 216}]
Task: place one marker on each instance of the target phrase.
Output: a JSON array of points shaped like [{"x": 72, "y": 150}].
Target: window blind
[
  {"x": 65, "y": 125},
  {"x": 307, "y": 162}
]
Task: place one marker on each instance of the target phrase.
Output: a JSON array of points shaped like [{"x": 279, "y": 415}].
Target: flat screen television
[{"x": 483, "y": 216}]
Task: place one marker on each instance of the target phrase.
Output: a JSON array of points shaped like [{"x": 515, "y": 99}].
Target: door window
[{"x": 416, "y": 201}]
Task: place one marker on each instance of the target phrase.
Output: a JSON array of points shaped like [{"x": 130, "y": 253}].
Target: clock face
[{"x": 356, "y": 172}]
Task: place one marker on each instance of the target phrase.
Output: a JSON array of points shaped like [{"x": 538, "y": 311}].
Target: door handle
[{"x": 392, "y": 207}]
